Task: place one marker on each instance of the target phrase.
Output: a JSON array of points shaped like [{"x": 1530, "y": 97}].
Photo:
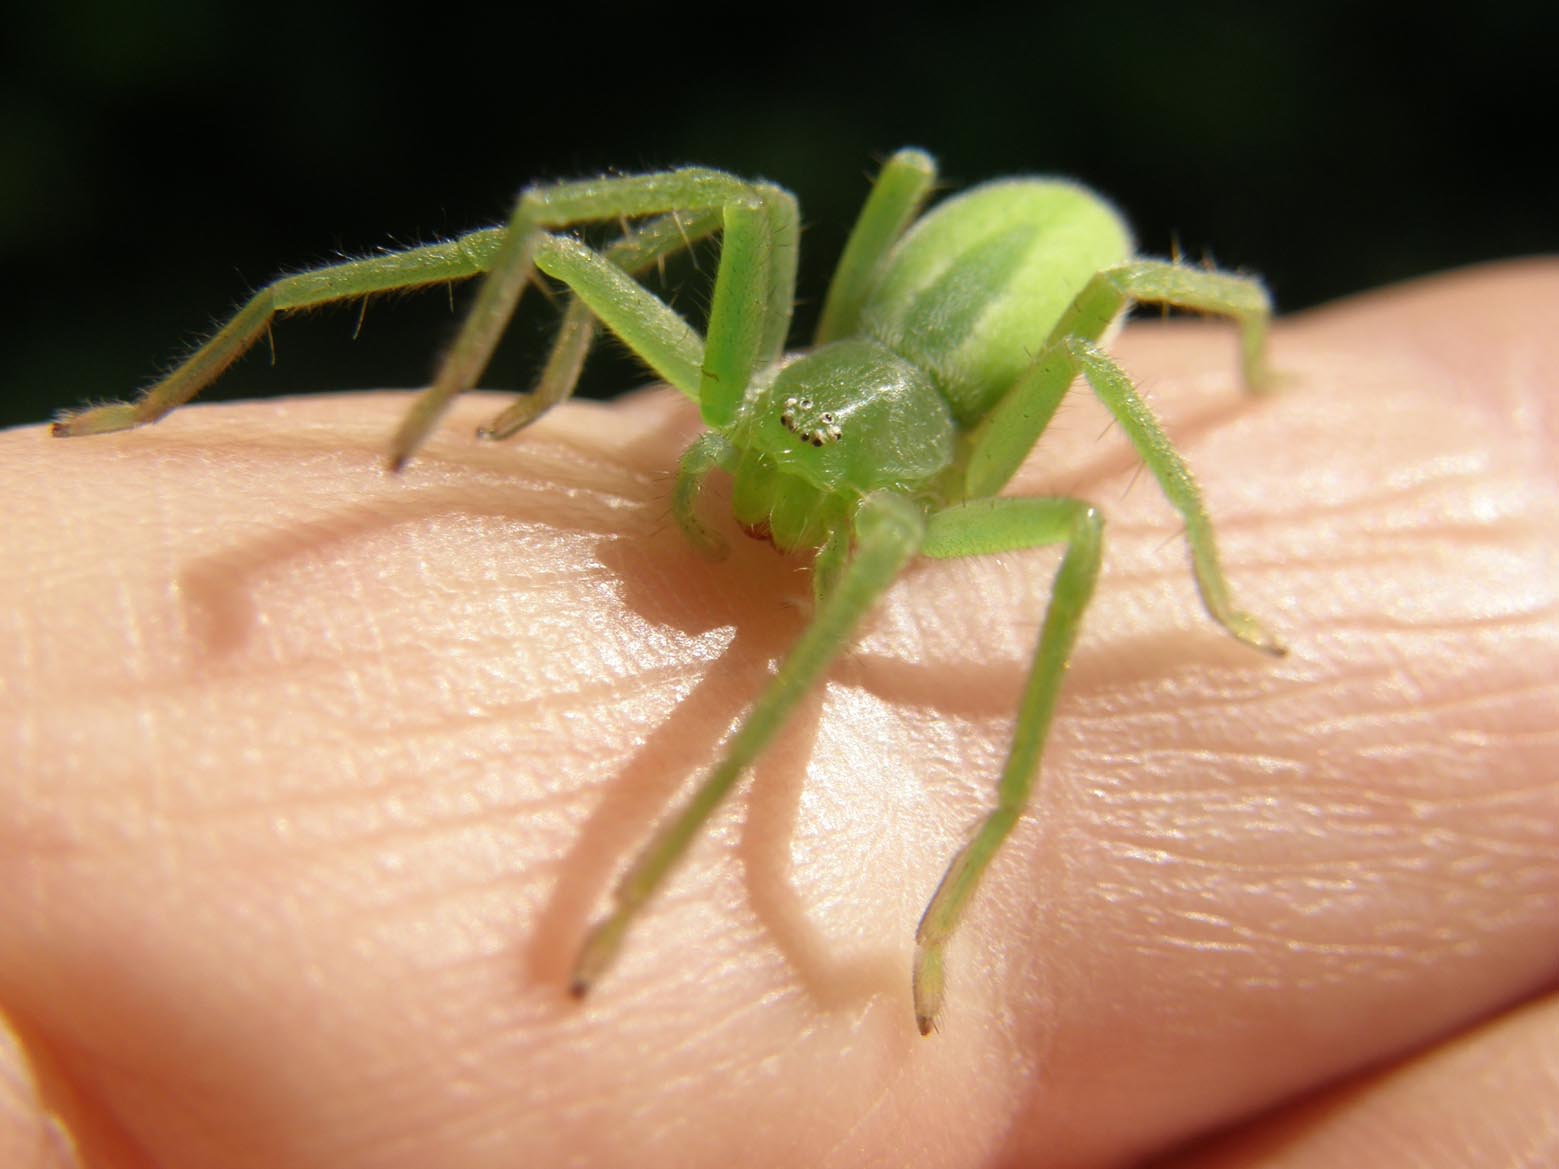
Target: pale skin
[{"x": 321, "y": 772}]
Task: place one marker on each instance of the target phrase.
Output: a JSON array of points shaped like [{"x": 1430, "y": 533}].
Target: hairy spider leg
[
  {"x": 754, "y": 285},
  {"x": 443, "y": 263},
  {"x": 636, "y": 252},
  {"x": 709, "y": 451},
  {"x": 981, "y": 528},
  {"x": 457, "y": 259},
  {"x": 888, "y": 530},
  {"x": 1003, "y": 438},
  {"x": 896, "y": 198}
]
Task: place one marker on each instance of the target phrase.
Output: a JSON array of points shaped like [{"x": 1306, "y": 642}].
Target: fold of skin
[{"x": 315, "y": 777}]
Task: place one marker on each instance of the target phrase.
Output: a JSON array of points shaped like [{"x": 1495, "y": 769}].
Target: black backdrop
[{"x": 160, "y": 159}]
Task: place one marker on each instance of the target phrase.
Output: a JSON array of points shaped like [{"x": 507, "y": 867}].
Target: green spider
[{"x": 943, "y": 352}]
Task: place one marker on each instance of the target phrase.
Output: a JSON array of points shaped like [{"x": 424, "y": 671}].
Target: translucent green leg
[
  {"x": 829, "y": 562},
  {"x": 709, "y": 450},
  {"x": 1006, "y": 435},
  {"x": 751, "y": 275},
  {"x": 888, "y": 531},
  {"x": 784, "y": 233},
  {"x": 1178, "y": 286},
  {"x": 896, "y": 198},
  {"x": 648, "y": 325},
  {"x": 747, "y": 325},
  {"x": 1034, "y": 397},
  {"x": 635, "y": 253},
  {"x": 977, "y": 529},
  {"x": 459, "y": 259},
  {"x": 753, "y": 292}
]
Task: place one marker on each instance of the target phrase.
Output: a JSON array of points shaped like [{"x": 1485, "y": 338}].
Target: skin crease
[{"x": 317, "y": 776}]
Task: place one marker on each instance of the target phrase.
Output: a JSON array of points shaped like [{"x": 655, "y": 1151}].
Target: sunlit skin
[
  {"x": 946, "y": 344},
  {"x": 313, "y": 774}
]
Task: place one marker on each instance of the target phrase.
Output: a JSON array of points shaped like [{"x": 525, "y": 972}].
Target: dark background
[{"x": 158, "y": 160}]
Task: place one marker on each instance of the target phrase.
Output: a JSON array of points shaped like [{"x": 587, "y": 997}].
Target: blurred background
[{"x": 159, "y": 160}]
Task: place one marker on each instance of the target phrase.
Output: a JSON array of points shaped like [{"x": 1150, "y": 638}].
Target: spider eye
[{"x": 801, "y": 417}]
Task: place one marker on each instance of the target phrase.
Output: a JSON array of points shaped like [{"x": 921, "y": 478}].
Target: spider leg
[
  {"x": 650, "y": 327},
  {"x": 981, "y": 528},
  {"x": 710, "y": 450},
  {"x": 1115, "y": 390},
  {"x": 1005, "y": 436},
  {"x": 887, "y": 530},
  {"x": 754, "y": 289},
  {"x": 458, "y": 259},
  {"x": 1240, "y": 298},
  {"x": 754, "y": 285},
  {"x": 635, "y": 252},
  {"x": 998, "y": 445},
  {"x": 896, "y": 198}
]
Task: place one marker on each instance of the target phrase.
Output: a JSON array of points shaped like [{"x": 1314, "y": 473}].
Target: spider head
[{"x": 817, "y": 434}]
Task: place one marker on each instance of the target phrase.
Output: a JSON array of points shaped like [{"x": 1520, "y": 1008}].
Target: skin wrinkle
[{"x": 430, "y": 1027}]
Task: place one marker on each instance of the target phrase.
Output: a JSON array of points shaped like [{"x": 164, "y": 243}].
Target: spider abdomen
[{"x": 972, "y": 291}]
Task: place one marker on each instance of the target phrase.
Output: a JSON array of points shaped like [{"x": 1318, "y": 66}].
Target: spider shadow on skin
[
  {"x": 762, "y": 598},
  {"x": 765, "y": 599}
]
